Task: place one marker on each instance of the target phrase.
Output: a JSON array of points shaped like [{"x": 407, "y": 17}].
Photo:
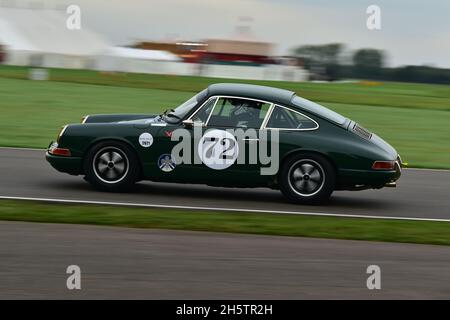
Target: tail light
[
  {"x": 383, "y": 165},
  {"x": 61, "y": 152}
]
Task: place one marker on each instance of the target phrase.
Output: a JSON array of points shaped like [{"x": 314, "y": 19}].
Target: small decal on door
[
  {"x": 168, "y": 134},
  {"x": 166, "y": 162},
  {"x": 146, "y": 140}
]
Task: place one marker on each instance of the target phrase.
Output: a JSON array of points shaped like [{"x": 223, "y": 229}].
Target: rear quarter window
[
  {"x": 319, "y": 110},
  {"x": 288, "y": 119}
]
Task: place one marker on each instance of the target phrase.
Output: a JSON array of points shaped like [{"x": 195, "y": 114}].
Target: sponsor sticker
[
  {"x": 168, "y": 134},
  {"x": 146, "y": 140},
  {"x": 166, "y": 162}
]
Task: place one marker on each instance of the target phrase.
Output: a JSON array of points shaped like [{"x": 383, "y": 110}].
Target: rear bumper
[
  {"x": 367, "y": 179},
  {"x": 70, "y": 165}
]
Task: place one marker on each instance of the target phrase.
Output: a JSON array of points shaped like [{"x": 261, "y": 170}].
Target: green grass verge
[
  {"x": 33, "y": 111},
  {"x": 267, "y": 224},
  {"x": 390, "y": 94}
]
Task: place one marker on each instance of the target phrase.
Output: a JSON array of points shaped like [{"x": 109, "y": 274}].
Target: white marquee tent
[
  {"x": 41, "y": 38},
  {"x": 125, "y": 59}
]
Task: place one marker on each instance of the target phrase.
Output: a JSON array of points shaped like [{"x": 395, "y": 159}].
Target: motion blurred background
[{"x": 144, "y": 56}]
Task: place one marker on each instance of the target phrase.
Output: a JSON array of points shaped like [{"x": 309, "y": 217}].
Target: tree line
[{"x": 327, "y": 62}]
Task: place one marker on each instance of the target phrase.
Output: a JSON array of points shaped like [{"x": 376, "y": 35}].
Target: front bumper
[{"x": 70, "y": 165}]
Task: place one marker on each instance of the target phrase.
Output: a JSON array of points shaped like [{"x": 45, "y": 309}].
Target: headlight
[{"x": 61, "y": 133}]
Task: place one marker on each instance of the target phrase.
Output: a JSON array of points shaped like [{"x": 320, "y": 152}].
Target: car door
[
  {"x": 227, "y": 151},
  {"x": 180, "y": 142}
]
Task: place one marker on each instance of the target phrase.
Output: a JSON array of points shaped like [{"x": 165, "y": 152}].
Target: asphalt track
[
  {"x": 420, "y": 193},
  {"x": 155, "y": 264}
]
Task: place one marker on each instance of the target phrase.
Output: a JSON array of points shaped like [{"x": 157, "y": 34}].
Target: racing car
[{"x": 230, "y": 135}]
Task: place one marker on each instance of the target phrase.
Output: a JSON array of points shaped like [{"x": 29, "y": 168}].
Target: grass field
[
  {"x": 268, "y": 224},
  {"x": 414, "y": 118},
  {"x": 404, "y": 95}
]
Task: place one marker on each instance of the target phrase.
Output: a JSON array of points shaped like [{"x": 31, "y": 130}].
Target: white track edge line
[
  {"x": 18, "y": 148},
  {"x": 145, "y": 205}
]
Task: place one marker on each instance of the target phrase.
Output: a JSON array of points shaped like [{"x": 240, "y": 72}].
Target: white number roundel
[{"x": 218, "y": 149}]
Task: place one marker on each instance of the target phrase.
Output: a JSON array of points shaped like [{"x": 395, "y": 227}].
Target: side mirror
[{"x": 189, "y": 124}]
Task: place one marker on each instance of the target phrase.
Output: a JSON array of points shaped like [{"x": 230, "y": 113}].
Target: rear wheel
[
  {"x": 111, "y": 166},
  {"x": 307, "y": 178}
]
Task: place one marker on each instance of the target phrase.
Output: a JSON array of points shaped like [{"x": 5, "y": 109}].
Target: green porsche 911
[{"x": 232, "y": 135}]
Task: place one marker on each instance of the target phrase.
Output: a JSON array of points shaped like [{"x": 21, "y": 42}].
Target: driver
[{"x": 245, "y": 113}]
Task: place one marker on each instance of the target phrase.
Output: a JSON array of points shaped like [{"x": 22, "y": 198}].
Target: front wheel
[
  {"x": 307, "y": 178},
  {"x": 111, "y": 166}
]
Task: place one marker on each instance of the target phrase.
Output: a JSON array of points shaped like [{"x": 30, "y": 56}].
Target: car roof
[{"x": 252, "y": 91}]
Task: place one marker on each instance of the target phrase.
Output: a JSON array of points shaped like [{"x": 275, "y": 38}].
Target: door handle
[{"x": 250, "y": 139}]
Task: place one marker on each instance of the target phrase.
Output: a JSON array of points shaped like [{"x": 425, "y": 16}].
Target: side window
[
  {"x": 237, "y": 112},
  {"x": 283, "y": 118},
  {"x": 202, "y": 115}
]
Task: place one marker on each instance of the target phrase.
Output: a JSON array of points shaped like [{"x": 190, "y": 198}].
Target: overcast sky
[{"x": 413, "y": 32}]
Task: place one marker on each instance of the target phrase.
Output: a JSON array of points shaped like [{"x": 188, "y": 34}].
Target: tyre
[
  {"x": 111, "y": 166},
  {"x": 307, "y": 178}
]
